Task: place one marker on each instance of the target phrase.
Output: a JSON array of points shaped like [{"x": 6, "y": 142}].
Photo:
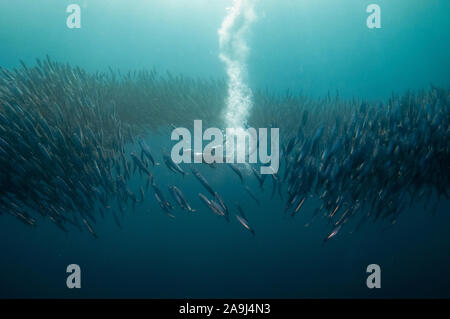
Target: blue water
[{"x": 312, "y": 46}]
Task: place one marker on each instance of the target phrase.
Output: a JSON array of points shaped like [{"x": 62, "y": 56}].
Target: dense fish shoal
[{"x": 65, "y": 156}]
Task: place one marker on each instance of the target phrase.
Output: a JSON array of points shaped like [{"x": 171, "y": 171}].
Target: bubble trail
[{"x": 234, "y": 52}]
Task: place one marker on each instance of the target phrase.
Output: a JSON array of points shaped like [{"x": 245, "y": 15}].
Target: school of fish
[{"x": 65, "y": 154}]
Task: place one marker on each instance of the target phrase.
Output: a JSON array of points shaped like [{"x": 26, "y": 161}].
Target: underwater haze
[{"x": 312, "y": 67}]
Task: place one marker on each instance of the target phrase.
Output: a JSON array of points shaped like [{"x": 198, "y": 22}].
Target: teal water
[{"x": 311, "y": 46}]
